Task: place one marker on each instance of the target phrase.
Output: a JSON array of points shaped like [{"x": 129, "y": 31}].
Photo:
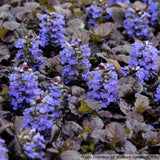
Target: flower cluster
[
  {"x": 29, "y": 50},
  {"x": 51, "y": 29},
  {"x": 153, "y": 12},
  {"x": 33, "y": 144},
  {"x": 95, "y": 12},
  {"x": 44, "y": 108},
  {"x": 112, "y": 2},
  {"x": 23, "y": 87},
  {"x": 144, "y": 57},
  {"x": 3, "y": 150},
  {"x": 157, "y": 95},
  {"x": 103, "y": 84},
  {"x": 136, "y": 22},
  {"x": 75, "y": 60}
]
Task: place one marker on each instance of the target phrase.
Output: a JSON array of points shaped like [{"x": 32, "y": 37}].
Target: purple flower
[
  {"x": 51, "y": 29},
  {"x": 44, "y": 108},
  {"x": 112, "y": 2},
  {"x": 33, "y": 144},
  {"x": 136, "y": 22},
  {"x": 75, "y": 60},
  {"x": 3, "y": 150},
  {"x": 23, "y": 87},
  {"x": 103, "y": 84},
  {"x": 144, "y": 57},
  {"x": 29, "y": 50},
  {"x": 157, "y": 95},
  {"x": 153, "y": 12}
]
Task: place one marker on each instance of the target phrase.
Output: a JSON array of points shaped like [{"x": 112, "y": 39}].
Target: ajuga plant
[
  {"x": 98, "y": 12},
  {"x": 3, "y": 150},
  {"x": 74, "y": 58},
  {"x": 157, "y": 95},
  {"x": 136, "y": 23},
  {"x": 29, "y": 50},
  {"x": 112, "y": 2},
  {"x": 44, "y": 108},
  {"x": 144, "y": 57},
  {"x": 103, "y": 84},
  {"x": 52, "y": 29},
  {"x": 153, "y": 12},
  {"x": 23, "y": 87},
  {"x": 32, "y": 143}
]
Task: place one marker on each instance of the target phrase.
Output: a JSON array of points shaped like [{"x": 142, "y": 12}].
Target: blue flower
[
  {"x": 157, "y": 95},
  {"x": 33, "y": 144},
  {"x": 103, "y": 84},
  {"x": 23, "y": 87},
  {"x": 44, "y": 108},
  {"x": 136, "y": 22},
  {"x": 29, "y": 50},
  {"x": 75, "y": 60},
  {"x": 112, "y": 2},
  {"x": 144, "y": 57},
  {"x": 153, "y": 12},
  {"x": 3, "y": 150},
  {"x": 51, "y": 29}
]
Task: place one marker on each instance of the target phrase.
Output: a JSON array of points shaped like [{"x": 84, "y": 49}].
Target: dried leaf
[
  {"x": 142, "y": 104},
  {"x": 115, "y": 132},
  {"x": 66, "y": 146},
  {"x": 116, "y": 64}
]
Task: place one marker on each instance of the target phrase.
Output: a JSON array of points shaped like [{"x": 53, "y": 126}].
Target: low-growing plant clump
[{"x": 79, "y": 78}]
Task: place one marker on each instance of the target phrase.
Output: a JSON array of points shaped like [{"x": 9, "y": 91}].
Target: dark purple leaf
[
  {"x": 70, "y": 155},
  {"x": 93, "y": 122},
  {"x": 71, "y": 128},
  {"x": 127, "y": 147},
  {"x": 115, "y": 132},
  {"x": 11, "y": 25}
]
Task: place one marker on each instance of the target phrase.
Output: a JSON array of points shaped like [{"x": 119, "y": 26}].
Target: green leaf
[
  {"x": 49, "y": 7},
  {"x": 82, "y": 25},
  {"x": 3, "y": 32},
  {"x": 43, "y": 1},
  {"x": 83, "y": 107},
  {"x": 84, "y": 148},
  {"x": 112, "y": 145},
  {"x": 4, "y": 93},
  {"x": 92, "y": 147},
  {"x": 141, "y": 110}
]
